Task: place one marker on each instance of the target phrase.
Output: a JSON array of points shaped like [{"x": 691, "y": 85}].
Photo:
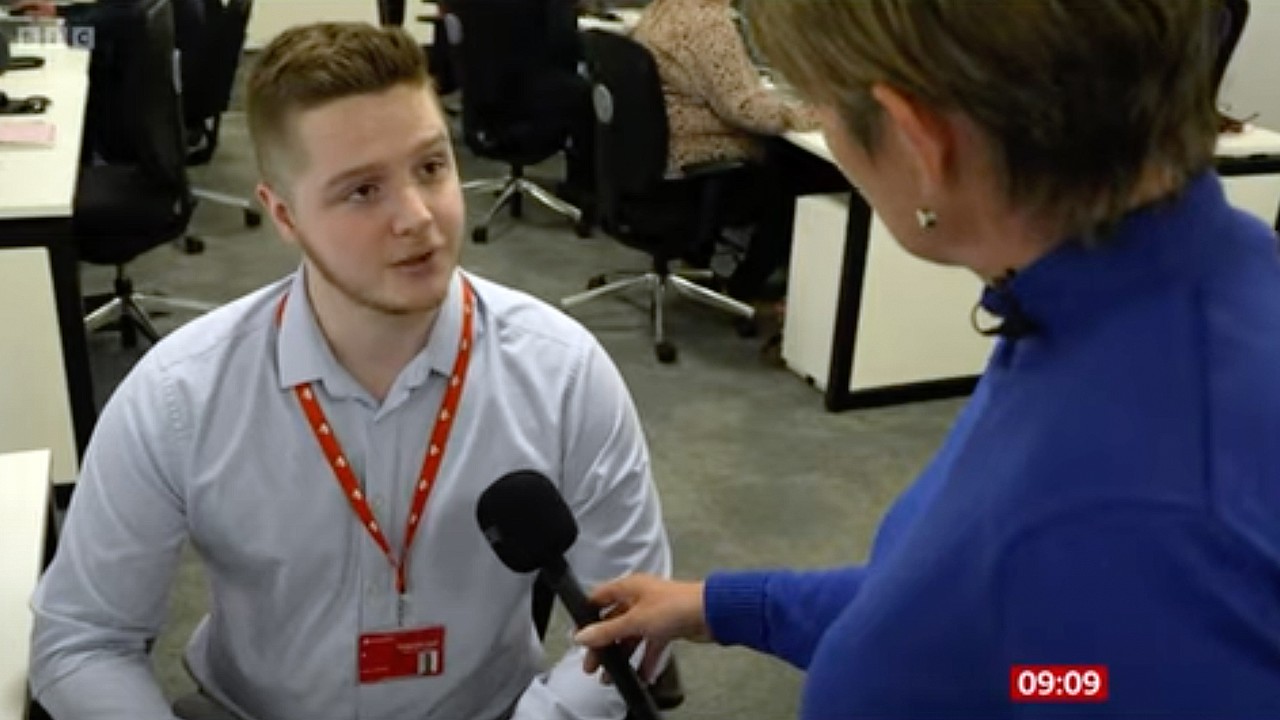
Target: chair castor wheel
[
  {"x": 746, "y": 327},
  {"x": 192, "y": 245},
  {"x": 597, "y": 281},
  {"x": 252, "y": 218},
  {"x": 582, "y": 228},
  {"x": 666, "y": 352},
  {"x": 480, "y": 235}
]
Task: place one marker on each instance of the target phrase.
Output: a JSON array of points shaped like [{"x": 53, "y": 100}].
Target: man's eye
[{"x": 363, "y": 193}]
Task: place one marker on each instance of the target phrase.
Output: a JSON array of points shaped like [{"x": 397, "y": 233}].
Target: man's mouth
[{"x": 414, "y": 260}]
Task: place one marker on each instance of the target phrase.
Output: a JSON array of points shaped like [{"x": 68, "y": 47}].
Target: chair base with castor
[
  {"x": 658, "y": 281},
  {"x": 131, "y": 311},
  {"x": 252, "y": 215},
  {"x": 511, "y": 191}
]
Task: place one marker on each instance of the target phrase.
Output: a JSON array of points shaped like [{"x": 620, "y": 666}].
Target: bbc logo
[{"x": 76, "y": 36}]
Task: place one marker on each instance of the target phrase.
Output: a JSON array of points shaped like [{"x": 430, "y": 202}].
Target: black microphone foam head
[{"x": 526, "y": 521}]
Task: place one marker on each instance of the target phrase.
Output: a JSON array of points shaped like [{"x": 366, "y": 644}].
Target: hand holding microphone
[
  {"x": 530, "y": 528},
  {"x": 649, "y": 608}
]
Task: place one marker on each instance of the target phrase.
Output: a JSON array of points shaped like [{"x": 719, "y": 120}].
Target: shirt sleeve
[
  {"x": 608, "y": 484},
  {"x": 779, "y": 612},
  {"x": 1173, "y": 604},
  {"x": 721, "y": 72},
  {"x": 104, "y": 597}
]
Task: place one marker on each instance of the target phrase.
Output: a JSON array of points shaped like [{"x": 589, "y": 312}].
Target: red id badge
[{"x": 416, "y": 652}]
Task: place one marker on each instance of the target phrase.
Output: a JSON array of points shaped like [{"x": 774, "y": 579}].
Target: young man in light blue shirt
[{"x": 323, "y": 441}]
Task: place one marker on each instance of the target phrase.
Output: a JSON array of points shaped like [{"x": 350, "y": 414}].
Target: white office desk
[
  {"x": 38, "y": 182},
  {"x": 1249, "y": 163},
  {"x": 869, "y": 324},
  {"x": 35, "y": 409},
  {"x": 24, "y": 517},
  {"x": 37, "y": 192},
  {"x": 1253, "y": 149}
]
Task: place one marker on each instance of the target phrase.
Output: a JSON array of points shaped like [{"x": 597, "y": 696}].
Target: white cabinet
[{"x": 906, "y": 330}]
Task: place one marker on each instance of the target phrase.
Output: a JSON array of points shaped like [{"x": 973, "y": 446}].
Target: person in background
[
  {"x": 322, "y": 443},
  {"x": 719, "y": 108},
  {"x": 1106, "y": 506}
]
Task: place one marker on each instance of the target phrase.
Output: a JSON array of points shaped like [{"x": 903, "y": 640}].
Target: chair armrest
[{"x": 711, "y": 167}]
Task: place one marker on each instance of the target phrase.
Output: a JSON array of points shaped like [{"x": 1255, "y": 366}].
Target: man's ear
[
  {"x": 278, "y": 210},
  {"x": 927, "y": 134}
]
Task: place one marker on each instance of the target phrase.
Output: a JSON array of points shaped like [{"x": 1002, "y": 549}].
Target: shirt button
[
  {"x": 372, "y": 589},
  {"x": 377, "y": 501}
]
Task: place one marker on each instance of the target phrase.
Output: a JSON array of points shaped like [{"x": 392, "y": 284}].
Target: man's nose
[{"x": 412, "y": 210}]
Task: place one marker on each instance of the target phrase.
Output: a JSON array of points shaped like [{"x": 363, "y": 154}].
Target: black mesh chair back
[
  {"x": 209, "y": 71},
  {"x": 631, "y": 123},
  {"x": 141, "y": 198},
  {"x": 670, "y": 218},
  {"x": 516, "y": 61},
  {"x": 501, "y": 49},
  {"x": 1232, "y": 17}
]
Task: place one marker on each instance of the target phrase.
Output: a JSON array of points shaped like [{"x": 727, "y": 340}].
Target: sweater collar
[{"x": 1078, "y": 279}]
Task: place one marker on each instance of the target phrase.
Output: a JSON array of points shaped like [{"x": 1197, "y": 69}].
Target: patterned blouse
[{"x": 716, "y": 104}]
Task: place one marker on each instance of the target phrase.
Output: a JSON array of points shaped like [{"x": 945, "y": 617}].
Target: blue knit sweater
[{"x": 1109, "y": 496}]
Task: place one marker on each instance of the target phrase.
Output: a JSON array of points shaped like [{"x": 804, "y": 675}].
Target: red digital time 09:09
[{"x": 1058, "y": 683}]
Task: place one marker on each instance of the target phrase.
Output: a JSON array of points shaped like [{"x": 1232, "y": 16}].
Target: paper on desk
[{"x": 27, "y": 132}]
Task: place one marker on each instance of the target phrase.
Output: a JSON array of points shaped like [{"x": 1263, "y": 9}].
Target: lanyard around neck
[{"x": 432, "y": 457}]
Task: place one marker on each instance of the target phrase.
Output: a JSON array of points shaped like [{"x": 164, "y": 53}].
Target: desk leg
[
  {"x": 65, "y": 269},
  {"x": 845, "y": 334},
  {"x": 857, "y": 235}
]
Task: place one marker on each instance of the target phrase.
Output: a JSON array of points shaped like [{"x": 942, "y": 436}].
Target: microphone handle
[{"x": 614, "y": 658}]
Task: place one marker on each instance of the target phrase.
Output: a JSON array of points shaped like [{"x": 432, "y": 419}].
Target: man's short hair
[{"x": 310, "y": 65}]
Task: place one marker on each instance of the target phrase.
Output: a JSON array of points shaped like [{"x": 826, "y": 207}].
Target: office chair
[
  {"x": 208, "y": 76},
  {"x": 516, "y": 95},
  {"x": 664, "y": 217},
  {"x": 1232, "y": 17},
  {"x": 667, "y": 690},
  {"x": 124, "y": 210}
]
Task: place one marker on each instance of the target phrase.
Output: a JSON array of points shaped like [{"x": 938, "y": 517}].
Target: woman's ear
[{"x": 925, "y": 132}]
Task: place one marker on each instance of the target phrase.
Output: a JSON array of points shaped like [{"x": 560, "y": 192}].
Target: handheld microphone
[{"x": 530, "y": 528}]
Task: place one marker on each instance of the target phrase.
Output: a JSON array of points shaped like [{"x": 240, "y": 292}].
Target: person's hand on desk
[
  {"x": 648, "y": 608},
  {"x": 34, "y": 8}
]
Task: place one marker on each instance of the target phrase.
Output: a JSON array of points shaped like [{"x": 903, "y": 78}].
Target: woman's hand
[
  {"x": 34, "y": 8},
  {"x": 648, "y": 608}
]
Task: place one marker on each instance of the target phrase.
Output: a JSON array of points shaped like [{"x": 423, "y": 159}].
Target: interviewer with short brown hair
[{"x": 1099, "y": 535}]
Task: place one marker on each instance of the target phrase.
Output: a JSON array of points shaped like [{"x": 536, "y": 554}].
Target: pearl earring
[{"x": 927, "y": 218}]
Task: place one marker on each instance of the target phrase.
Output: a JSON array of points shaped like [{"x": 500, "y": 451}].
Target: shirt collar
[
  {"x": 303, "y": 354},
  {"x": 1079, "y": 279}
]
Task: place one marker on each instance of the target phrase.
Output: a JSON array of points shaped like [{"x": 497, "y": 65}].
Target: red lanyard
[{"x": 430, "y": 462}]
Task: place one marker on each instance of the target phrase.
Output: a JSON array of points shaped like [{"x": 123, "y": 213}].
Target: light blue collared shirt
[{"x": 205, "y": 440}]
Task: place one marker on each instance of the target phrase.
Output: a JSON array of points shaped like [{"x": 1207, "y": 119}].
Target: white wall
[
  {"x": 271, "y": 17},
  {"x": 1252, "y": 84}
]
